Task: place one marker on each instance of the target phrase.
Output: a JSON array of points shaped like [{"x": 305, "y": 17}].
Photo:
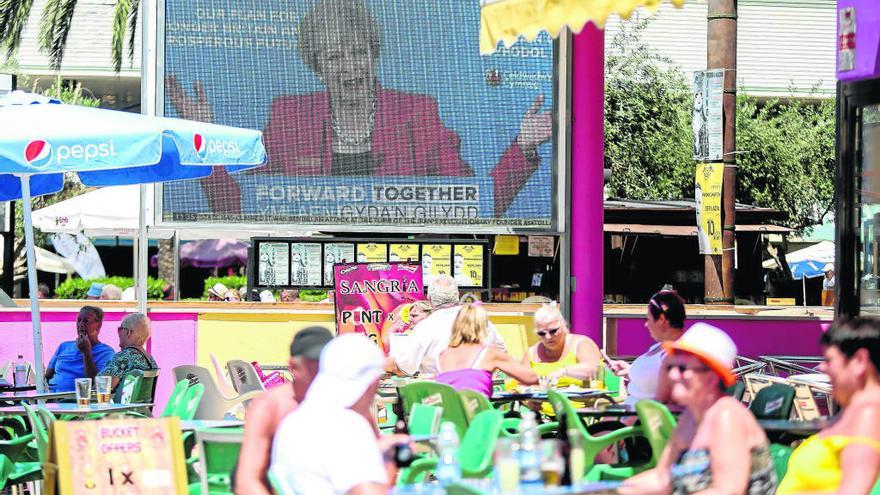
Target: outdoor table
[
  {"x": 573, "y": 395},
  {"x": 198, "y": 424},
  {"x": 5, "y": 386},
  {"x": 794, "y": 427},
  {"x": 485, "y": 486},
  {"x": 59, "y": 408},
  {"x": 34, "y": 396},
  {"x": 617, "y": 410}
]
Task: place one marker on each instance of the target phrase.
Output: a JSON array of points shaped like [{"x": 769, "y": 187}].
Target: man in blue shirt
[{"x": 80, "y": 358}]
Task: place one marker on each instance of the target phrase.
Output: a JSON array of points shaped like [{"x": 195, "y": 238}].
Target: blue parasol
[{"x": 104, "y": 148}]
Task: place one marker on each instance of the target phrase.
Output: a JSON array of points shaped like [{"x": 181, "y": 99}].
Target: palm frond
[
  {"x": 125, "y": 18},
  {"x": 55, "y": 25},
  {"x": 132, "y": 27},
  {"x": 13, "y": 19}
]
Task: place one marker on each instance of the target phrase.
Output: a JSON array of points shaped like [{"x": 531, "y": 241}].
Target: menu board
[
  {"x": 436, "y": 260},
  {"x": 305, "y": 263},
  {"x": 273, "y": 264},
  {"x": 117, "y": 456},
  {"x": 372, "y": 253},
  {"x": 467, "y": 265},
  {"x": 403, "y": 252},
  {"x": 337, "y": 252}
]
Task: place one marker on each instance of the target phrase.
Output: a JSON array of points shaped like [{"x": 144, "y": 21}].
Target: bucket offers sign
[
  {"x": 371, "y": 298},
  {"x": 373, "y": 112}
]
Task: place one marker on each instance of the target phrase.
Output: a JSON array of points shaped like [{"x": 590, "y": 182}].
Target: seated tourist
[
  {"x": 134, "y": 330},
  {"x": 110, "y": 292},
  {"x": 330, "y": 443},
  {"x": 217, "y": 292},
  {"x": 80, "y": 358},
  {"x": 559, "y": 354},
  {"x": 94, "y": 292},
  {"x": 844, "y": 458},
  {"x": 468, "y": 362},
  {"x": 717, "y": 446},
  {"x": 264, "y": 413},
  {"x": 664, "y": 321}
]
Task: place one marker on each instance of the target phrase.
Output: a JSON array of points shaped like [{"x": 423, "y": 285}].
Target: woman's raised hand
[
  {"x": 198, "y": 108},
  {"x": 535, "y": 128}
]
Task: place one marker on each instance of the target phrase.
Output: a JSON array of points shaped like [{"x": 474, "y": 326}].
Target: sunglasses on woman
[
  {"x": 543, "y": 333},
  {"x": 683, "y": 367}
]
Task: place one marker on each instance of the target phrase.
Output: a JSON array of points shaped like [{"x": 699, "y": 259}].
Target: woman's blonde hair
[
  {"x": 551, "y": 312},
  {"x": 470, "y": 327}
]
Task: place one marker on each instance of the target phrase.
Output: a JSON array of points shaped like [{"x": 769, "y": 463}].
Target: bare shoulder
[
  {"x": 272, "y": 406},
  {"x": 728, "y": 411},
  {"x": 863, "y": 418},
  {"x": 577, "y": 340}
]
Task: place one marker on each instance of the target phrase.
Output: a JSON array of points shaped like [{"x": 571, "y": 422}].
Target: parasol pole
[{"x": 39, "y": 376}]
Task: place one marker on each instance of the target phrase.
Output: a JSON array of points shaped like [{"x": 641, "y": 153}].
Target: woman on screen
[{"x": 356, "y": 127}]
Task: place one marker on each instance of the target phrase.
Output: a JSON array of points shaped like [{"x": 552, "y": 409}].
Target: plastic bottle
[
  {"x": 403, "y": 455},
  {"x": 529, "y": 451},
  {"x": 448, "y": 470},
  {"x": 20, "y": 372}
]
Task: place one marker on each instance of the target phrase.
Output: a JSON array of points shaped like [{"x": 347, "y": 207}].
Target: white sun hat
[
  {"x": 711, "y": 345},
  {"x": 348, "y": 365}
]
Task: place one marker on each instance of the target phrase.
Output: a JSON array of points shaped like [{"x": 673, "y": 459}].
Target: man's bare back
[{"x": 262, "y": 418}]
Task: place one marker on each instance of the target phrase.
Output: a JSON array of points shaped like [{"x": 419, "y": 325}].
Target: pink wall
[
  {"x": 752, "y": 337},
  {"x": 173, "y": 342}
]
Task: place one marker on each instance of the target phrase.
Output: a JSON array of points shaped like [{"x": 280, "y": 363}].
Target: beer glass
[
  {"x": 552, "y": 462},
  {"x": 597, "y": 378},
  {"x": 507, "y": 466},
  {"x": 83, "y": 391},
  {"x": 102, "y": 389}
]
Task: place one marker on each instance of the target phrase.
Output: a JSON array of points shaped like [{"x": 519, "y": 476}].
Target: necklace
[{"x": 355, "y": 139}]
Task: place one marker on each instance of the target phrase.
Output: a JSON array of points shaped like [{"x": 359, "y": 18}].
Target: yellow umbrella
[{"x": 507, "y": 20}]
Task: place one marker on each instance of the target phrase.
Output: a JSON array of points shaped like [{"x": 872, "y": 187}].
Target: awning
[
  {"x": 684, "y": 230},
  {"x": 507, "y": 20}
]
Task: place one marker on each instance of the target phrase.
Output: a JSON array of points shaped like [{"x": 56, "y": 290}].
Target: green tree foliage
[
  {"x": 647, "y": 120},
  {"x": 77, "y": 288},
  {"x": 785, "y": 149},
  {"x": 56, "y": 19},
  {"x": 786, "y": 158}
]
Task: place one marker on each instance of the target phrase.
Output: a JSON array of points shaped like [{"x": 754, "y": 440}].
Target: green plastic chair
[
  {"x": 174, "y": 399},
  {"x": 424, "y": 420},
  {"x": 41, "y": 420},
  {"x": 218, "y": 454},
  {"x": 19, "y": 466},
  {"x": 189, "y": 404},
  {"x": 779, "y": 454},
  {"x": 569, "y": 419},
  {"x": 462, "y": 489},
  {"x": 474, "y": 453},
  {"x": 657, "y": 427},
  {"x": 474, "y": 403},
  {"x": 737, "y": 390},
  {"x": 773, "y": 402},
  {"x": 436, "y": 394}
]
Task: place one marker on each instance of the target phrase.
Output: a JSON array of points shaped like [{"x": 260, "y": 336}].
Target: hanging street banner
[
  {"x": 707, "y": 196},
  {"x": 708, "y": 115},
  {"x": 369, "y": 297},
  {"x": 116, "y": 457}
]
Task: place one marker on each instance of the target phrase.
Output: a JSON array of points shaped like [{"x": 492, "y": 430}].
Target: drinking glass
[
  {"x": 597, "y": 378},
  {"x": 103, "y": 385},
  {"x": 552, "y": 462},
  {"x": 83, "y": 391},
  {"x": 507, "y": 465}
]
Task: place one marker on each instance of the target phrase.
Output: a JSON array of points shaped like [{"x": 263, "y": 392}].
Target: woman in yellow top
[
  {"x": 844, "y": 458},
  {"x": 559, "y": 354}
]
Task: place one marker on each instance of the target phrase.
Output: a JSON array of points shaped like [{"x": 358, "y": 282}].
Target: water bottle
[
  {"x": 20, "y": 372},
  {"x": 448, "y": 470},
  {"x": 529, "y": 451}
]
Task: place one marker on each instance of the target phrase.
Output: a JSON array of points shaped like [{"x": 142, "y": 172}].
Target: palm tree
[{"x": 55, "y": 22}]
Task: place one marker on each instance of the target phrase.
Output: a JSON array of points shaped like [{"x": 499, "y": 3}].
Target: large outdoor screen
[{"x": 374, "y": 112}]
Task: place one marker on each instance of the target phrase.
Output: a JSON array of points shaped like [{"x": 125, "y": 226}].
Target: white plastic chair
[
  {"x": 214, "y": 404},
  {"x": 244, "y": 376},
  {"x": 222, "y": 381}
]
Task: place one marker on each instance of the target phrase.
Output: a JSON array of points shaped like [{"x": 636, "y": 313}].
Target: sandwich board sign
[{"x": 116, "y": 457}]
